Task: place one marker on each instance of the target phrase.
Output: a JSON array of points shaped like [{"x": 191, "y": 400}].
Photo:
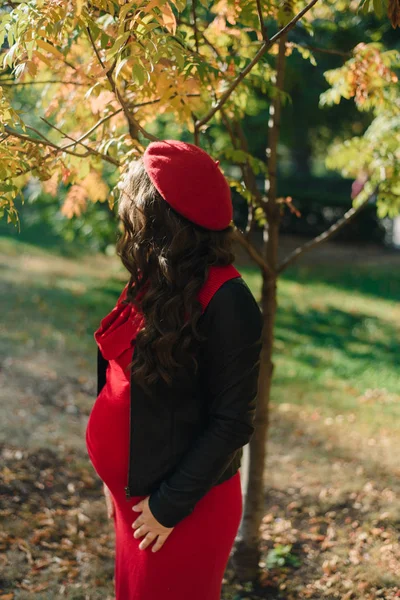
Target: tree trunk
[{"x": 246, "y": 556}]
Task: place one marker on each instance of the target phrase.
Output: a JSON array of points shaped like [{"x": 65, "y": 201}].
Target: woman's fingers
[
  {"x": 150, "y": 536},
  {"x": 147, "y": 540},
  {"x": 141, "y": 530},
  {"x": 138, "y": 522},
  {"x": 159, "y": 543}
]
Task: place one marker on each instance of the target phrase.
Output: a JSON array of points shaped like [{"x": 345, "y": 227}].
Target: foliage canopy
[{"x": 104, "y": 71}]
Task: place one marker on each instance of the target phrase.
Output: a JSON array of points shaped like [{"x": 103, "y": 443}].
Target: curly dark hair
[{"x": 168, "y": 258}]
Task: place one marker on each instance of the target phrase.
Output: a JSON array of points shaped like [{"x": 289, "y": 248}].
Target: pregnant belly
[{"x": 107, "y": 438}]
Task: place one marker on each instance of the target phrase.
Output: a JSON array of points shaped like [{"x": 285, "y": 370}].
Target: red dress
[{"x": 191, "y": 563}]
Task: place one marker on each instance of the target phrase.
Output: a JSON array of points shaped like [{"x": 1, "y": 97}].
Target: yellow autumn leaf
[
  {"x": 31, "y": 67},
  {"x": 49, "y": 48},
  {"x": 99, "y": 103},
  {"x": 192, "y": 85},
  {"x": 150, "y": 5},
  {"x": 43, "y": 58},
  {"x": 123, "y": 69},
  {"x": 79, "y": 6},
  {"x": 168, "y": 18},
  {"x": 96, "y": 188},
  {"x": 75, "y": 201},
  {"x": 50, "y": 186}
]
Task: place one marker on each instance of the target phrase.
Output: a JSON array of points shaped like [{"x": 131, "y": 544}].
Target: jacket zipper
[{"x": 127, "y": 490}]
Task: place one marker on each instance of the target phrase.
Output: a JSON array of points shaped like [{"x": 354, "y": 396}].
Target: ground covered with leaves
[{"x": 332, "y": 480}]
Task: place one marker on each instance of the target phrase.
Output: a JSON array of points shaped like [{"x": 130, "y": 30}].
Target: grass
[
  {"x": 332, "y": 474},
  {"x": 54, "y": 302},
  {"x": 337, "y": 341}
]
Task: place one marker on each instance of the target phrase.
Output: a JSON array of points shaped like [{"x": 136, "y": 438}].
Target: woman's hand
[
  {"x": 146, "y": 524},
  {"x": 109, "y": 502}
]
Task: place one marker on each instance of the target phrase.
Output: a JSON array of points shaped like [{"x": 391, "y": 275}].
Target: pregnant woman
[{"x": 178, "y": 364}]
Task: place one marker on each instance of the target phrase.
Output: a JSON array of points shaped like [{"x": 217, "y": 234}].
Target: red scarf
[{"x": 120, "y": 327}]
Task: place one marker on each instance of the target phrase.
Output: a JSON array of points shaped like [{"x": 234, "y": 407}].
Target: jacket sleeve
[{"x": 233, "y": 324}]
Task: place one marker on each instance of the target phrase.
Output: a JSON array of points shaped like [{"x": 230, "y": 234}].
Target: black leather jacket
[{"x": 186, "y": 439}]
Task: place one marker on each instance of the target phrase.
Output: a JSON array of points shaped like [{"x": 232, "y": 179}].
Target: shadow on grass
[
  {"x": 373, "y": 281},
  {"x": 36, "y": 311},
  {"x": 361, "y": 337}
]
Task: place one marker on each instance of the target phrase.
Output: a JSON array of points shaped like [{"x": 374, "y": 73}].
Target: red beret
[{"x": 190, "y": 181}]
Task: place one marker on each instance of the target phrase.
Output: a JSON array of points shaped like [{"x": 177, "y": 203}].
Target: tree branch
[
  {"x": 203, "y": 35},
  {"x": 85, "y": 135},
  {"x": 262, "y": 24},
  {"x": 149, "y": 102},
  {"x": 14, "y": 82},
  {"x": 252, "y": 252},
  {"x": 326, "y": 235},
  {"x": 32, "y": 167},
  {"x": 327, "y": 51},
  {"x": 95, "y": 48},
  {"x": 213, "y": 48},
  {"x": 146, "y": 103},
  {"x": 236, "y": 134},
  {"x": 244, "y": 238},
  {"x": 71, "y": 66},
  {"x": 134, "y": 126},
  {"x": 252, "y": 183},
  {"x": 250, "y": 180},
  {"x": 44, "y": 141},
  {"x": 264, "y": 48},
  {"x": 196, "y": 133},
  {"x": 196, "y": 33},
  {"x": 109, "y": 159}
]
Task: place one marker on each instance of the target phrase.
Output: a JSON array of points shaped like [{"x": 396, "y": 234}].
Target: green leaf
[
  {"x": 94, "y": 30},
  {"x": 138, "y": 73},
  {"x": 104, "y": 39},
  {"x": 30, "y": 47},
  {"x": 364, "y": 6},
  {"x": 92, "y": 88},
  {"x": 119, "y": 42},
  {"x": 83, "y": 169},
  {"x": 144, "y": 29},
  {"x": 378, "y": 8},
  {"x": 123, "y": 11},
  {"x": 176, "y": 51},
  {"x": 7, "y": 187},
  {"x": 120, "y": 66}
]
